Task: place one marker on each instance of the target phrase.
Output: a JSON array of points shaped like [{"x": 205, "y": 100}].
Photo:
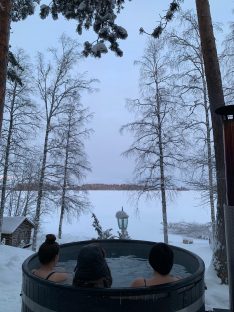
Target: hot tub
[{"x": 185, "y": 295}]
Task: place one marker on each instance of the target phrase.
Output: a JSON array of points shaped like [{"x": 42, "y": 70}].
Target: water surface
[{"x": 127, "y": 268}]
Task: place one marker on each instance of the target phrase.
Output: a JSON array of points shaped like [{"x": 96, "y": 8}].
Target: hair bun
[{"x": 50, "y": 239}]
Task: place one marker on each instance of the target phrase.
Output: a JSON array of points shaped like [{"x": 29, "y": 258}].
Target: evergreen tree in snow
[
  {"x": 102, "y": 234},
  {"x": 98, "y": 14}
]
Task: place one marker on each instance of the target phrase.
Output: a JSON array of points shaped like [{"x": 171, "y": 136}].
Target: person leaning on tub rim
[
  {"x": 161, "y": 258},
  {"x": 48, "y": 255}
]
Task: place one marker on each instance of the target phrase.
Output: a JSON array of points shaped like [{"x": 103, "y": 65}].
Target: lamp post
[
  {"x": 227, "y": 113},
  {"x": 122, "y": 219}
]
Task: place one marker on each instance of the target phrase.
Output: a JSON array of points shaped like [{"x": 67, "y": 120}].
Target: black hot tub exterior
[{"x": 185, "y": 295}]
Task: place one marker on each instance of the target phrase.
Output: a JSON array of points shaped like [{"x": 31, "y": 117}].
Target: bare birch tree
[
  {"x": 157, "y": 139},
  {"x": 191, "y": 85},
  {"x": 56, "y": 83},
  {"x": 70, "y": 159}
]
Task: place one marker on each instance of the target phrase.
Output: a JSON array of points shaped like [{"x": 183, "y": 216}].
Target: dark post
[{"x": 227, "y": 113}]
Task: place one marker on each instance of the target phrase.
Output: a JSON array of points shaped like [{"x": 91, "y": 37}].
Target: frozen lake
[{"x": 144, "y": 219}]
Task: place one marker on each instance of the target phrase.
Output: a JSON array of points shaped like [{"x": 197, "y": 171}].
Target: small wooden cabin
[{"x": 16, "y": 230}]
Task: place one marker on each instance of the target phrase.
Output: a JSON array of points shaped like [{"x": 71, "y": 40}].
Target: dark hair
[
  {"x": 48, "y": 250},
  {"x": 92, "y": 267},
  {"x": 161, "y": 258}
]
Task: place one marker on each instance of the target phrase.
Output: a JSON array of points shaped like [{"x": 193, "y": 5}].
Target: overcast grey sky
[{"x": 118, "y": 76}]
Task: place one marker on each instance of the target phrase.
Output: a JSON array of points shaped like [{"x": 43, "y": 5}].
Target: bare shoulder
[
  {"x": 138, "y": 282},
  {"x": 58, "y": 277}
]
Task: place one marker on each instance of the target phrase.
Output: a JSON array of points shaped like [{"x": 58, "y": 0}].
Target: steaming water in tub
[{"x": 125, "y": 269}]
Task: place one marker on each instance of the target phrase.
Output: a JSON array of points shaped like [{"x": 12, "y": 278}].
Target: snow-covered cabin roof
[{"x": 10, "y": 224}]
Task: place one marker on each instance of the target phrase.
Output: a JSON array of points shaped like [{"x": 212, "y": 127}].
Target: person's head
[
  {"x": 92, "y": 265},
  {"x": 49, "y": 250},
  {"x": 161, "y": 258}
]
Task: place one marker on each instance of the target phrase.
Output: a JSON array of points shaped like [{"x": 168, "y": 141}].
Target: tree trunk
[
  {"x": 10, "y": 209},
  {"x": 64, "y": 179},
  {"x": 162, "y": 174},
  {"x": 40, "y": 189},
  {"x": 61, "y": 218},
  {"x": 25, "y": 210},
  {"x": 5, "y": 20},
  {"x": 210, "y": 172},
  {"x": 216, "y": 98},
  {"x": 18, "y": 208},
  {"x": 163, "y": 194},
  {"x": 62, "y": 211},
  {"x": 209, "y": 153}
]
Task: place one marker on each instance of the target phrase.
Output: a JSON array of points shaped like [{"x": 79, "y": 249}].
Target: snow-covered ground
[{"x": 144, "y": 224}]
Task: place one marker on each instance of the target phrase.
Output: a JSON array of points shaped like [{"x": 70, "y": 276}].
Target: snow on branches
[
  {"x": 98, "y": 14},
  {"x": 174, "y": 6},
  {"x": 22, "y": 8}
]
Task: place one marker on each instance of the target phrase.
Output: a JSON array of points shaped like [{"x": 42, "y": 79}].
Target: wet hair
[
  {"x": 161, "y": 258},
  {"x": 48, "y": 250},
  {"x": 92, "y": 269}
]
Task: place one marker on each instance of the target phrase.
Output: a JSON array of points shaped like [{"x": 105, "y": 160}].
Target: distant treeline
[
  {"x": 110, "y": 187},
  {"x": 85, "y": 187}
]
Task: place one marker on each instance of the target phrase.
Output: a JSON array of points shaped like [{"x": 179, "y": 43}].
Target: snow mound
[
  {"x": 216, "y": 294},
  {"x": 11, "y": 259}
]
